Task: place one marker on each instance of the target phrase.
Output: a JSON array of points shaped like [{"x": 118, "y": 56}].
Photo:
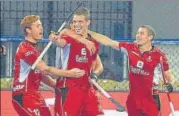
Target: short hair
[
  {"x": 150, "y": 29},
  {"x": 83, "y": 11},
  {"x": 27, "y": 21}
]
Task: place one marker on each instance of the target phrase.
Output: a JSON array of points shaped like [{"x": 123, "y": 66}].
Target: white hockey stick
[{"x": 50, "y": 43}]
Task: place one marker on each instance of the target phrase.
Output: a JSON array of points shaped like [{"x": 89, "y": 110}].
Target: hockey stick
[
  {"x": 168, "y": 95},
  {"x": 50, "y": 43},
  {"x": 115, "y": 102}
]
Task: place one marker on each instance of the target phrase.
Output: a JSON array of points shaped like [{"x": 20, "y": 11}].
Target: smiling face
[
  {"x": 80, "y": 24},
  {"x": 145, "y": 35},
  {"x": 81, "y": 21},
  {"x": 142, "y": 36}
]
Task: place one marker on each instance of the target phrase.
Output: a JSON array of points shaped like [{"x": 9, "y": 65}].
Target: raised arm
[{"x": 70, "y": 33}]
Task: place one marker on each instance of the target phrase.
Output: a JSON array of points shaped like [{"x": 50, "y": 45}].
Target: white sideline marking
[
  {"x": 114, "y": 113},
  {"x": 51, "y": 101},
  {"x": 176, "y": 113}
]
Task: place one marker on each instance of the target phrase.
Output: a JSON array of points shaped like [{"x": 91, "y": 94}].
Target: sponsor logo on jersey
[
  {"x": 18, "y": 87},
  {"x": 140, "y": 64},
  {"x": 82, "y": 58},
  {"x": 139, "y": 71},
  {"x": 28, "y": 53}
]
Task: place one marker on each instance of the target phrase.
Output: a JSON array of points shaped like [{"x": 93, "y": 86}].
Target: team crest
[{"x": 149, "y": 59}]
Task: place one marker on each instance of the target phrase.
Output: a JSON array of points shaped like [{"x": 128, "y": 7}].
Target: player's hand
[
  {"x": 168, "y": 87},
  {"x": 63, "y": 33},
  {"x": 76, "y": 72},
  {"x": 53, "y": 37},
  {"x": 94, "y": 76},
  {"x": 91, "y": 47}
]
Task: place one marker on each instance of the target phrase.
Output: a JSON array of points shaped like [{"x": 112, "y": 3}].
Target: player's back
[{"x": 25, "y": 79}]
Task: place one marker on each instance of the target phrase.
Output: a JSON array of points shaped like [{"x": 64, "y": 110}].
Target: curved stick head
[{"x": 121, "y": 109}]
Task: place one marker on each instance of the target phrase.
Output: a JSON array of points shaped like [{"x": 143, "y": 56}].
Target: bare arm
[
  {"x": 97, "y": 66},
  {"x": 57, "y": 40},
  {"x": 58, "y": 72},
  {"x": 46, "y": 79},
  {"x": 67, "y": 32},
  {"x": 70, "y": 33},
  {"x": 169, "y": 76},
  {"x": 104, "y": 40}
]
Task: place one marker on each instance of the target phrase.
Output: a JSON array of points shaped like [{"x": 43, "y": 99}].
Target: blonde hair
[
  {"x": 150, "y": 29},
  {"x": 83, "y": 11},
  {"x": 27, "y": 21}
]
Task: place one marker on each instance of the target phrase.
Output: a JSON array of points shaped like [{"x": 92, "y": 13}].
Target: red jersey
[
  {"x": 141, "y": 68},
  {"x": 25, "y": 79},
  {"x": 76, "y": 55}
]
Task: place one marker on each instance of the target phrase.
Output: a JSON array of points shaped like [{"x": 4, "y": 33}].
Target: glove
[
  {"x": 169, "y": 87},
  {"x": 94, "y": 76}
]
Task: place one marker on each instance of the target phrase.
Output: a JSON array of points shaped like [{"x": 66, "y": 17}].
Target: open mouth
[
  {"x": 78, "y": 29},
  {"x": 137, "y": 40}
]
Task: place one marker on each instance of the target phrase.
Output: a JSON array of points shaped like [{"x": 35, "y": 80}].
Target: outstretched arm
[{"x": 104, "y": 39}]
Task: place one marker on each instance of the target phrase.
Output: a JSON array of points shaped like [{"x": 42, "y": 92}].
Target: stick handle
[
  {"x": 168, "y": 95},
  {"x": 100, "y": 88},
  {"x": 41, "y": 55}
]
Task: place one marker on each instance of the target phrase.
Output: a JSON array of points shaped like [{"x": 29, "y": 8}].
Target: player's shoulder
[
  {"x": 90, "y": 38},
  {"x": 25, "y": 47},
  {"x": 158, "y": 51},
  {"x": 67, "y": 37}
]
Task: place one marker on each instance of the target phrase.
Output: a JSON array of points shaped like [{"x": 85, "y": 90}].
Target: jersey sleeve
[
  {"x": 30, "y": 56},
  {"x": 68, "y": 40},
  {"x": 125, "y": 47}
]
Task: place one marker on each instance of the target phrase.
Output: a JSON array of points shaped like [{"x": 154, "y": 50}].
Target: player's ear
[
  {"x": 28, "y": 30},
  {"x": 88, "y": 22},
  {"x": 151, "y": 37}
]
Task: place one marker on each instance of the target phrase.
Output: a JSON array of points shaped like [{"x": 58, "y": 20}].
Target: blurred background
[{"x": 116, "y": 19}]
